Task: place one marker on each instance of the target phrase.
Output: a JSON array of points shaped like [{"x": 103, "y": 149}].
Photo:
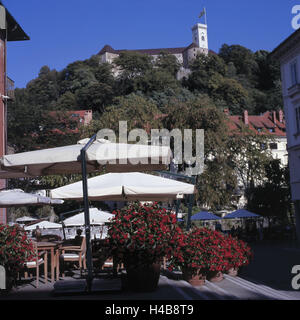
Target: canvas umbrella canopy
[
  {"x": 17, "y": 197},
  {"x": 242, "y": 214},
  {"x": 126, "y": 187},
  {"x": 88, "y": 155},
  {"x": 101, "y": 153},
  {"x": 43, "y": 225},
  {"x": 204, "y": 216},
  {"x": 25, "y": 219},
  {"x": 97, "y": 217}
]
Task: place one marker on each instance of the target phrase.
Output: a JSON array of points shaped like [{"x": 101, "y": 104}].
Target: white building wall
[{"x": 291, "y": 97}]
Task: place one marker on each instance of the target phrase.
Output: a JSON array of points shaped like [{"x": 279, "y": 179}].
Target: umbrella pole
[
  {"x": 177, "y": 207},
  {"x": 191, "y": 198},
  {"x": 89, "y": 261}
]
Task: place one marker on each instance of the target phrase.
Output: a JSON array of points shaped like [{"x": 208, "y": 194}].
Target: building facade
[
  {"x": 184, "y": 55},
  {"x": 288, "y": 53},
  {"x": 10, "y": 30},
  {"x": 271, "y": 124}
]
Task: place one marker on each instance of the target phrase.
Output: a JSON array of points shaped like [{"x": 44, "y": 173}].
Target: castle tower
[{"x": 200, "y": 36}]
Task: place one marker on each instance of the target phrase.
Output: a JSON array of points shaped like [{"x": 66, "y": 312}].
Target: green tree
[
  {"x": 137, "y": 110},
  {"x": 168, "y": 63},
  {"x": 249, "y": 157},
  {"x": 273, "y": 197},
  {"x": 216, "y": 185},
  {"x": 44, "y": 90},
  {"x": 242, "y": 58}
]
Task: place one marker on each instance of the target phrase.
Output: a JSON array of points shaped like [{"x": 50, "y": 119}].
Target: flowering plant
[
  {"x": 201, "y": 249},
  {"x": 238, "y": 253},
  {"x": 15, "y": 249},
  {"x": 209, "y": 251},
  {"x": 145, "y": 233}
]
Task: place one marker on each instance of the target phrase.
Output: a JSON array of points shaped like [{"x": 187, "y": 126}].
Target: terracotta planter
[
  {"x": 193, "y": 279},
  {"x": 215, "y": 276},
  {"x": 233, "y": 272},
  {"x": 141, "y": 278}
]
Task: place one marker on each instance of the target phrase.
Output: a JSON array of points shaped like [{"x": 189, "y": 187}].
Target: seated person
[{"x": 78, "y": 239}]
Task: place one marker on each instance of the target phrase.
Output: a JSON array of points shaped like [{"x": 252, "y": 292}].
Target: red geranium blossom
[
  {"x": 144, "y": 230},
  {"x": 208, "y": 250},
  {"x": 15, "y": 249}
]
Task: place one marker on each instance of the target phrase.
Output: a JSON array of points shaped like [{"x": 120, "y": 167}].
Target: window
[
  {"x": 273, "y": 146},
  {"x": 294, "y": 77},
  {"x": 272, "y": 130},
  {"x": 298, "y": 119}
]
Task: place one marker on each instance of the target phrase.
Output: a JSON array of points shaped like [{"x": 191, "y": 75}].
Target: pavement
[{"x": 268, "y": 277}]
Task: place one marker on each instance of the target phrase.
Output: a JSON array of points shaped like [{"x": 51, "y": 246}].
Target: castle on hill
[{"x": 184, "y": 55}]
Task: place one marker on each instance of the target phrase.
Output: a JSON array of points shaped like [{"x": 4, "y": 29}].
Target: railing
[{"x": 10, "y": 88}]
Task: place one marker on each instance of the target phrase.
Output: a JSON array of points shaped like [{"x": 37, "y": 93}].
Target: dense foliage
[{"x": 236, "y": 78}]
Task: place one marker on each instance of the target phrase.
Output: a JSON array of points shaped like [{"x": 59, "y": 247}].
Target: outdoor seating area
[{"x": 133, "y": 244}]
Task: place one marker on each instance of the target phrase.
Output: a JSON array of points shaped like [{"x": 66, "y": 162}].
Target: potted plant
[
  {"x": 217, "y": 251},
  {"x": 203, "y": 255},
  {"x": 191, "y": 257},
  {"x": 238, "y": 255},
  {"x": 15, "y": 250},
  {"x": 141, "y": 235}
]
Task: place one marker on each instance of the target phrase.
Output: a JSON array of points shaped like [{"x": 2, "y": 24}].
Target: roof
[
  {"x": 14, "y": 30},
  {"x": 72, "y": 113},
  {"x": 260, "y": 124},
  {"x": 191, "y": 46},
  {"x": 288, "y": 43},
  {"x": 107, "y": 48},
  {"x": 180, "y": 50}
]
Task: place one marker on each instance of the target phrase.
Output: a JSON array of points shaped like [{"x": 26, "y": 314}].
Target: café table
[{"x": 53, "y": 248}]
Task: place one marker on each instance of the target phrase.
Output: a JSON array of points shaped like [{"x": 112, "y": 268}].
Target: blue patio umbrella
[
  {"x": 204, "y": 215},
  {"x": 242, "y": 213}
]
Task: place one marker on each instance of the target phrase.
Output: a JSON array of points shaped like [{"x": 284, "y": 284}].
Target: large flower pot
[
  {"x": 233, "y": 272},
  {"x": 197, "y": 279},
  {"x": 215, "y": 276},
  {"x": 142, "y": 278}
]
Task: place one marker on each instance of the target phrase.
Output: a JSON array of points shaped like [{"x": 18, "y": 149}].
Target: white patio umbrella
[
  {"x": 25, "y": 219},
  {"x": 43, "y": 225},
  {"x": 17, "y": 197},
  {"x": 97, "y": 217},
  {"x": 64, "y": 160},
  {"x": 126, "y": 187}
]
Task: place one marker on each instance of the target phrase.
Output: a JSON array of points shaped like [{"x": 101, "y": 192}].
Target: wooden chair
[
  {"x": 75, "y": 254},
  {"x": 36, "y": 263},
  {"x": 108, "y": 263}
]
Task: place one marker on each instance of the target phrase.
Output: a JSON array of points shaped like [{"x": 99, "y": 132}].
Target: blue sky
[{"x": 63, "y": 31}]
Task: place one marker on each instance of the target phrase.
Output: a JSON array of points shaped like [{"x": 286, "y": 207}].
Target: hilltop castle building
[{"x": 184, "y": 55}]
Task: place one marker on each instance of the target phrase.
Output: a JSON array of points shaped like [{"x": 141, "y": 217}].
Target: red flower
[{"x": 146, "y": 229}]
